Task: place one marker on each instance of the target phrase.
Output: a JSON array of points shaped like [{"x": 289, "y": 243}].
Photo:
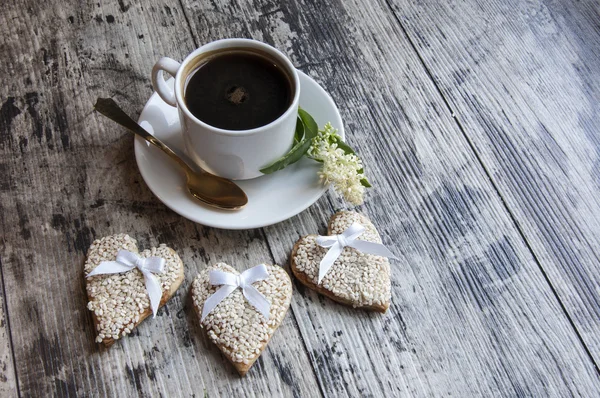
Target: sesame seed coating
[
  {"x": 358, "y": 279},
  {"x": 240, "y": 331},
  {"x": 120, "y": 301}
]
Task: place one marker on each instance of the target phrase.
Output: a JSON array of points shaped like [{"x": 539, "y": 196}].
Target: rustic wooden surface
[
  {"x": 478, "y": 123},
  {"x": 532, "y": 120}
]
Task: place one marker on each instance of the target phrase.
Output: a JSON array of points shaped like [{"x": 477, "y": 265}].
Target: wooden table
[{"x": 479, "y": 123}]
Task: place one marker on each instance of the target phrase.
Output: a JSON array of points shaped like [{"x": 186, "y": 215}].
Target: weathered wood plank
[
  {"x": 69, "y": 176},
  {"x": 8, "y": 382},
  {"x": 472, "y": 312},
  {"x": 522, "y": 79}
]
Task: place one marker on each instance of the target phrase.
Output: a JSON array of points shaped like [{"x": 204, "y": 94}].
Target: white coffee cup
[{"x": 233, "y": 154}]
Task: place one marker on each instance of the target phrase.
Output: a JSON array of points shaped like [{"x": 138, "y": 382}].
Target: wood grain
[
  {"x": 521, "y": 78},
  {"x": 472, "y": 313},
  {"x": 69, "y": 176}
]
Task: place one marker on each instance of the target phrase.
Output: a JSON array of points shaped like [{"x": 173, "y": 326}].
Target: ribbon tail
[
  {"x": 154, "y": 291},
  {"x": 109, "y": 267},
  {"x": 327, "y": 262},
  {"x": 376, "y": 249},
  {"x": 257, "y": 300},
  {"x": 214, "y": 299}
]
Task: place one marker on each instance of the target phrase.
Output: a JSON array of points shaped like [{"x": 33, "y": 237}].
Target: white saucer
[{"x": 271, "y": 198}]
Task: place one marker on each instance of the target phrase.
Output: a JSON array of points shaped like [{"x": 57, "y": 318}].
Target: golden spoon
[{"x": 208, "y": 188}]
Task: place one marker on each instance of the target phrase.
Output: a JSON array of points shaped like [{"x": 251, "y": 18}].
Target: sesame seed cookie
[
  {"x": 356, "y": 279},
  {"x": 120, "y": 302},
  {"x": 234, "y": 325}
]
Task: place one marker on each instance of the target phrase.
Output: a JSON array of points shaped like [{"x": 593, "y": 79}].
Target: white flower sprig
[{"x": 341, "y": 165}]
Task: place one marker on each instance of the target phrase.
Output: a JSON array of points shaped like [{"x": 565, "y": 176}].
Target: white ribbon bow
[
  {"x": 127, "y": 261},
  {"x": 244, "y": 281},
  {"x": 347, "y": 238}
]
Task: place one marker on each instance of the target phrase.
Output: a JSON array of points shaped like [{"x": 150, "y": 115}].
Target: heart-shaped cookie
[
  {"x": 357, "y": 279},
  {"x": 234, "y": 325},
  {"x": 120, "y": 301}
]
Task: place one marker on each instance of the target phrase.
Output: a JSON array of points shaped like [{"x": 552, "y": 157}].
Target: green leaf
[
  {"x": 292, "y": 156},
  {"x": 365, "y": 183},
  {"x": 310, "y": 126},
  {"x": 299, "y": 134},
  {"x": 343, "y": 146}
]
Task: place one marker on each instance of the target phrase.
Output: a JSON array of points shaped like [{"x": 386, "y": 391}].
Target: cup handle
[{"x": 158, "y": 82}]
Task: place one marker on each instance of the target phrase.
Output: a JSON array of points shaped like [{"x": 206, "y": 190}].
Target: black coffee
[{"x": 238, "y": 90}]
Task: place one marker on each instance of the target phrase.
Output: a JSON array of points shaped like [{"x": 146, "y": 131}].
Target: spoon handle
[{"x": 109, "y": 108}]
